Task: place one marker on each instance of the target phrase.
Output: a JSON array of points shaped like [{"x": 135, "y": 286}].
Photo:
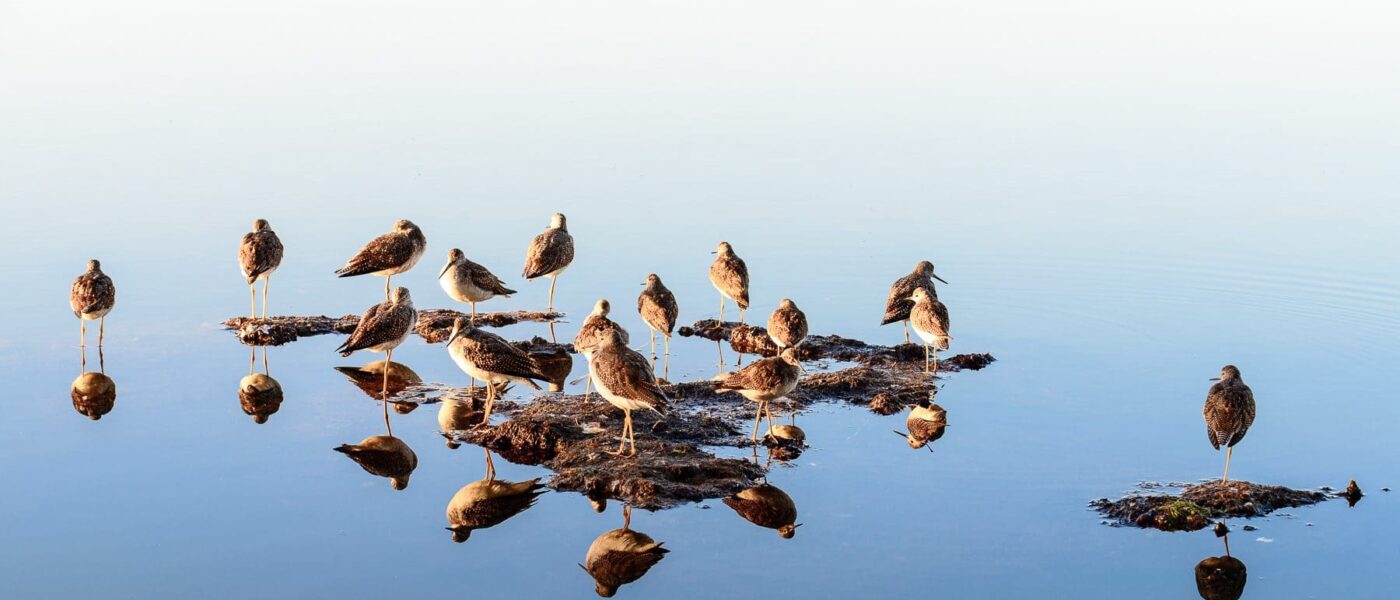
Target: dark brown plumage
[
  {"x": 763, "y": 381},
  {"x": 489, "y": 502},
  {"x": 929, "y": 318},
  {"x": 492, "y": 359},
  {"x": 383, "y": 456},
  {"x": 94, "y": 394},
  {"x": 260, "y": 253},
  {"x": 1228, "y": 412},
  {"x": 900, "y": 301},
  {"x": 730, "y": 276},
  {"x": 388, "y": 254},
  {"x": 658, "y": 306},
  {"x": 1221, "y": 578},
  {"x": 260, "y": 396},
  {"x": 624, "y": 378},
  {"x": 381, "y": 377},
  {"x": 595, "y": 327},
  {"x": 467, "y": 281},
  {"x": 926, "y": 423},
  {"x": 766, "y": 506},
  {"x": 92, "y": 296},
  {"x": 621, "y": 556},
  {"x": 549, "y": 254},
  {"x": 384, "y": 326},
  {"x": 787, "y": 326}
]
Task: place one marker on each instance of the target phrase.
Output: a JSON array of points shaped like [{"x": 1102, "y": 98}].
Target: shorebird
[
  {"x": 549, "y": 254},
  {"x": 1221, "y": 577},
  {"x": 382, "y": 378},
  {"x": 658, "y": 308},
  {"x": 493, "y": 360},
  {"x": 926, "y": 423},
  {"x": 595, "y": 327},
  {"x": 259, "y": 394},
  {"x": 787, "y": 326},
  {"x": 382, "y": 328},
  {"x": 930, "y": 321},
  {"x": 91, "y": 298},
  {"x": 1229, "y": 411},
  {"x": 466, "y": 281},
  {"x": 489, "y": 502},
  {"x": 730, "y": 276},
  {"x": 383, "y": 456},
  {"x": 625, "y": 380},
  {"x": 621, "y": 556},
  {"x": 457, "y": 412},
  {"x": 766, "y": 506},
  {"x": 764, "y": 381},
  {"x": 900, "y": 301},
  {"x": 93, "y": 392},
  {"x": 389, "y": 254},
  {"x": 259, "y": 255}
]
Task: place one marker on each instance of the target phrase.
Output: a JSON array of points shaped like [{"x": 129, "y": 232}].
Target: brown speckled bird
[
  {"x": 621, "y": 556},
  {"x": 766, "y": 506},
  {"x": 659, "y": 310},
  {"x": 92, "y": 296},
  {"x": 764, "y": 381},
  {"x": 383, "y": 456},
  {"x": 466, "y": 281},
  {"x": 930, "y": 321},
  {"x": 549, "y": 254},
  {"x": 625, "y": 380},
  {"x": 1229, "y": 411},
  {"x": 595, "y": 327},
  {"x": 94, "y": 393},
  {"x": 730, "y": 276},
  {"x": 926, "y": 423},
  {"x": 787, "y": 326},
  {"x": 259, "y": 394},
  {"x": 900, "y": 301},
  {"x": 389, "y": 254},
  {"x": 383, "y": 327},
  {"x": 492, "y": 359},
  {"x": 489, "y": 502},
  {"x": 258, "y": 256}
]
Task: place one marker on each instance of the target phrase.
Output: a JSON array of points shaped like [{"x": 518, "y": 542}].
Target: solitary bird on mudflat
[
  {"x": 764, "y": 381},
  {"x": 766, "y": 506},
  {"x": 621, "y": 556},
  {"x": 901, "y": 302},
  {"x": 930, "y": 321},
  {"x": 259, "y": 255},
  {"x": 787, "y": 326},
  {"x": 466, "y": 281},
  {"x": 659, "y": 309},
  {"x": 489, "y": 502},
  {"x": 92, "y": 296},
  {"x": 389, "y": 254},
  {"x": 730, "y": 276},
  {"x": 492, "y": 359},
  {"x": 1229, "y": 411},
  {"x": 625, "y": 380},
  {"x": 382, "y": 328},
  {"x": 549, "y": 254}
]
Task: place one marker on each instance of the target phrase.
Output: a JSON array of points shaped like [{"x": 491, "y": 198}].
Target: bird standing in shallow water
[
  {"x": 259, "y": 255},
  {"x": 590, "y": 335},
  {"x": 930, "y": 321},
  {"x": 489, "y": 502},
  {"x": 625, "y": 380},
  {"x": 659, "y": 309},
  {"x": 1229, "y": 411},
  {"x": 549, "y": 254},
  {"x": 466, "y": 281},
  {"x": 92, "y": 296},
  {"x": 382, "y": 328},
  {"x": 621, "y": 556},
  {"x": 389, "y": 254},
  {"x": 492, "y": 359},
  {"x": 787, "y": 326},
  {"x": 764, "y": 381},
  {"x": 730, "y": 276},
  {"x": 900, "y": 301}
]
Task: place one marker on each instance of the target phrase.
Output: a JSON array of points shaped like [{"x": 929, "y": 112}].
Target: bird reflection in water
[
  {"x": 766, "y": 506},
  {"x": 1221, "y": 577},
  {"x": 621, "y": 556},
  {"x": 785, "y": 441},
  {"x": 489, "y": 502},
  {"x": 384, "y": 455},
  {"x": 385, "y": 379},
  {"x": 94, "y": 393},
  {"x": 458, "y": 411},
  {"x": 926, "y": 423},
  {"x": 258, "y": 393}
]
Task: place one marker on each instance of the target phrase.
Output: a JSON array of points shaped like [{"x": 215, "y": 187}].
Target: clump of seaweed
[{"x": 1197, "y": 505}]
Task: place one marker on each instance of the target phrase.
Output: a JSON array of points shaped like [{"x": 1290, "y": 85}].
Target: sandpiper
[
  {"x": 787, "y": 326},
  {"x": 764, "y": 381},
  {"x": 259, "y": 394},
  {"x": 457, "y": 412},
  {"x": 492, "y": 359},
  {"x": 621, "y": 556},
  {"x": 94, "y": 393},
  {"x": 372, "y": 378},
  {"x": 549, "y": 254},
  {"x": 929, "y": 319},
  {"x": 389, "y": 254},
  {"x": 730, "y": 276},
  {"x": 658, "y": 308},
  {"x": 91, "y": 298},
  {"x": 383, "y": 456},
  {"x": 382, "y": 328},
  {"x": 466, "y": 281},
  {"x": 766, "y": 506},
  {"x": 489, "y": 502},
  {"x": 625, "y": 380},
  {"x": 259, "y": 255},
  {"x": 595, "y": 327},
  {"x": 1229, "y": 411},
  {"x": 926, "y": 423},
  {"x": 900, "y": 301}
]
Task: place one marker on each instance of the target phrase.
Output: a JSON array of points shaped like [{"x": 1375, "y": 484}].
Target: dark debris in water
[
  {"x": 1199, "y": 504},
  {"x": 433, "y": 324}
]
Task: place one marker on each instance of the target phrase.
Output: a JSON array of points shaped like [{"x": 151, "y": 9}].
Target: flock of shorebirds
[{"x": 622, "y": 376}]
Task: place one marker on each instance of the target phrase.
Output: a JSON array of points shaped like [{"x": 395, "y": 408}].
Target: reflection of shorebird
[
  {"x": 764, "y": 381},
  {"x": 381, "y": 378},
  {"x": 259, "y": 255},
  {"x": 787, "y": 326},
  {"x": 621, "y": 556},
  {"x": 389, "y": 254},
  {"x": 382, "y": 328},
  {"x": 489, "y": 502},
  {"x": 93, "y": 295},
  {"x": 900, "y": 301},
  {"x": 490, "y": 358},
  {"x": 625, "y": 380},
  {"x": 259, "y": 394},
  {"x": 93, "y": 392},
  {"x": 730, "y": 276},
  {"x": 466, "y": 281},
  {"x": 930, "y": 321},
  {"x": 926, "y": 423},
  {"x": 383, "y": 456},
  {"x": 1229, "y": 412},
  {"x": 766, "y": 506},
  {"x": 590, "y": 335},
  {"x": 1221, "y": 577},
  {"x": 659, "y": 309},
  {"x": 549, "y": 254},
  {"x": 457, "y": 412}
]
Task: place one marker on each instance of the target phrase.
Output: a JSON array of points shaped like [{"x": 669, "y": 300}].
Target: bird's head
[
  {"x": 261, "y": 225},
  {"x": 1227, "y": 373},
  {"x": 558, "y": 221},
  {"x": 787, "y": 304},
  {"x": 652, "y": 280},
  {"x": 602, "y": 307},
  {"x": 920, "y": 295},
  {"x": 259, "y": 418},
  {"x": 454, "y": 256},
  {"x": 94, "y": 265},
  {"x": 723, "y": 249},
  {"x": 604, "y": 590},
  {"x": 401, "y": 296},
  {"x": 461, "y": 327},
  {"x": 399, "y": 483},
  {"x": 460, "y": 533},
  {"x": 787, "y": 531},
  {"x": 404, "y": 226}
]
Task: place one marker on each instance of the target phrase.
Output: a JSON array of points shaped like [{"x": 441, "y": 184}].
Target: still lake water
[{"x": 1115, "y": 226}]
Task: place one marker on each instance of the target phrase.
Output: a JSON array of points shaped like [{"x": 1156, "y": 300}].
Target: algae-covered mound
[{"x": 1198, "y": 504}]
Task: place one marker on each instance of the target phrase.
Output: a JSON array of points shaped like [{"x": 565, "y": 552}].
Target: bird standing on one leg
[
  {"x": 549, "y": 254},
  {"x": 259, "y": 255},
  {"x": 787, "y": 326},
  {"x": 1229, "y": 411},
  {"x": 930, "y": 321},
  {"x": 92, "y": 296},
  {"x": 466, "y": 281},
  {"x": 625, "y": 380},
  {"x": 900, "y": 303},
  {"x": 389, "y": 254},
  {"x": 659, "y": 309},
  {"x": 730, "y": 276},
  {"x": 382, "y": 328},
  {"x": 492, "y": 359}
]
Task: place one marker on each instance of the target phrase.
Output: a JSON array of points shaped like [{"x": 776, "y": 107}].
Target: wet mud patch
[
  {"x": 1198, "y": 505},
  {"x": 433, "y": 324}
]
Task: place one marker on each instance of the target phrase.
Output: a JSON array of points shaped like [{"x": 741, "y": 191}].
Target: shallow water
[{"x": 1110, "y": 269}]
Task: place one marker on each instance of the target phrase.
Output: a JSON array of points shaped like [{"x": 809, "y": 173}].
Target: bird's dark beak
[
  {"x": 449, "y": 266},
  {"x": 714, "y": 252},
  {"x": 935, "y": 276},
  {"x": 456, "y": 333},
  {"x": 1213, "y": 379},
  {"x": 901, "y": 434}
]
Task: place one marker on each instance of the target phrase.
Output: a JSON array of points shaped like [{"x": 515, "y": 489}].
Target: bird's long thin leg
[
  {"x": 1228, "y": 451},
  {"x": 631, "y": 436},
  {"x": 653, "y": 350},
  {"x": 82, "y": 332},
  {"x": 626, "y": 516},
  {"x": 741, "y": 315},
  {"x": 101, "y": 360},
  {"x": 769, "y": 411},
  {"x": 935, "y": 360},
  {"x": 757, "y": 418},
  {"x": 622, "y": 444},
  {"x": 473, "y": 314},
  {"x": 387, "y": 279},
  {"x": 720, "y": 346},
  {"x": 666, "y": 371},
  {"x": 265, "y": 370},
  {"x": 553, "y": 279},
  {"x": 267, "y": 280},
  {"x": 906, "y": 331},
  {"x": 388, "y": 360},
  {"x": 490, "y": 401},
  {"x": 587, "y": 387},
  {"x": 721, "y": 309},
  {"x": 551, "y": 333},
  {"x": 101, "y": 330},
  {"x": 926, "y": 357},
  {"x": 252, "y": 300},
  {"x": 252, "y": 359}
]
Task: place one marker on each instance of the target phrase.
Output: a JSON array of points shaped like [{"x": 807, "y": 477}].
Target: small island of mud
[{"x": 1199, "y": 504}]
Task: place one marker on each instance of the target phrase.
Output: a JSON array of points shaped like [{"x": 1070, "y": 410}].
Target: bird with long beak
[
  {"x": 489, "y": 502},
  {"x": 762, "y": 382},
  {"x": 625, "y": 380},
  {"x": 930, "y": 321},
  {"x": 926, "y": 423},
  {"x": 492, "y": 359},
  {"x": 900, "y": 301},
  {"x": 388, "y": 255},
  {"x": 549, "y": 254},
  {"x": 466, "y": 281},
  {"x": 1229, "y": 411},
  {"x": 730, "y": 275},
  {"x": 766, "y": 506}
]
